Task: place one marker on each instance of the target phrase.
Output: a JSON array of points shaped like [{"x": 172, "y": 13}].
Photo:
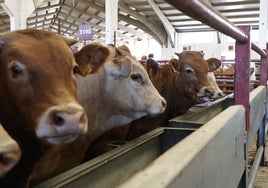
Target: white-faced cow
[
  {"x": 38, "y": 97},
  {"x": 218, "y": 92},
  {"x": 122, "y": 92},
  {"x": 182, "y": 82},
  {"x": 10, "y": 152},
  {"x": 118, "y": 93}
]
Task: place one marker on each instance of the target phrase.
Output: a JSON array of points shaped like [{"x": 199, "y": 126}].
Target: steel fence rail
[{"x": 202, "y": 11}]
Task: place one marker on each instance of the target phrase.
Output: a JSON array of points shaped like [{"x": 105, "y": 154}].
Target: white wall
[{"x": 198, "y": 41}]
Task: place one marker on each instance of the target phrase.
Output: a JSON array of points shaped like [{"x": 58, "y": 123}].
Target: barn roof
[{"x": 136, "y": 17}]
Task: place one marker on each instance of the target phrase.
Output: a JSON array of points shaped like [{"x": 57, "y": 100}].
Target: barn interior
[{"x": 218, "y": 28}]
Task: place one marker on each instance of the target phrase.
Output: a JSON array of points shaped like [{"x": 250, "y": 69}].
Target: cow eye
[
  {"x": 137, "y": 78},
  {"x": 16, "y": 69},
  {"x": 189, "y": 71}
]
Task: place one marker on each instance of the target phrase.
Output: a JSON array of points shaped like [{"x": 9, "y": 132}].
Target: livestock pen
[{"x": 204, "y": 148}]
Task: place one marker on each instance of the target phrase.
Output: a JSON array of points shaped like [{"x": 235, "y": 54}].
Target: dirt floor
[{"x": 261, "y": 180}]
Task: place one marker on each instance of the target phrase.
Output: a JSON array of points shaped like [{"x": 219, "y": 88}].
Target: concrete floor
[{"x": 261, "y": 180}]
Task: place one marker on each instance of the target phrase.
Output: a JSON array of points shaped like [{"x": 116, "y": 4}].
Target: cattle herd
[{"x": 59, "y": 108}]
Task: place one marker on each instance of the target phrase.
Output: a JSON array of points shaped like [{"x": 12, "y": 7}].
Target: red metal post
[
  {"x": 242, "y": 74},
  {"x": 263, "y": 69}
]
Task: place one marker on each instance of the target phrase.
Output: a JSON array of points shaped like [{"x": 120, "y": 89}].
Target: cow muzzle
[
  {"x": 10, "y": 154},
  {"x": 158, "y": 107},
  {"x": 205, "y": 94},
  {"x": 62, "y": 124}
]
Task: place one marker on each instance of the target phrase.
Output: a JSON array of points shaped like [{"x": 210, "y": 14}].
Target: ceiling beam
[
  {"x": 167, "y": 25},
  {"x": 157, "y": 29},
  {"x": 120, "y": 26}
]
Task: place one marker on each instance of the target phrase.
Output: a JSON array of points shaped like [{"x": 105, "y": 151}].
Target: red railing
[{"x": 202, "y": 11}]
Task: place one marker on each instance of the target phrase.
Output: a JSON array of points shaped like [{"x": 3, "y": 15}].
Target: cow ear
[
  {"x": 152, "y": 68},
  {"x": 119, "y": 68},
  {"x": 213, "y": 64},
  {"x": 178, "y": 54},
  {"x": 90, "y": 58},
  {"x": 174, "y": 64},
  {"x": 202, "y": 53}
]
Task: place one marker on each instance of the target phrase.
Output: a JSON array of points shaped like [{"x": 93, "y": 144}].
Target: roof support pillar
[
  {"x": 263, "y": 23},
  {"x": 111, "y": 21},
  {"x": 18, "y": 12}
]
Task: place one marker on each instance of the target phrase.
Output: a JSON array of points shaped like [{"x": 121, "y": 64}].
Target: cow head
[
  {"x": 125, "y": 84},
  {"x": 193, "y": 69},
  {"x": 38, "y": 95},
  {"x": 129, "y": 76}
]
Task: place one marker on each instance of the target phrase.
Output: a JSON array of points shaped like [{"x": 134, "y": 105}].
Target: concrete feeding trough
[{"x": 117, "y": 166}]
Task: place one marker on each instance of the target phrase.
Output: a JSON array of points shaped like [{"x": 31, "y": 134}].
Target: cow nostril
[
  {"x": 5, "y": 160},
  {"x": 58, "y": 120},
  {"x": 209, "y": 91}
]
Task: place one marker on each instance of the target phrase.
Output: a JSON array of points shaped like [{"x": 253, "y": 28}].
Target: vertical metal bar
[
  {"x": 262, "y": 129},
  {"x": 115, "y": 37},
  {"x": 263, "y": 69},
  {"x": 59, "y": 27},
  {"x": 261, "y": 139},
  {"x": 242, "y": 88},
  {"x": 244, "y": 179},
  {"x": 242, "y": 66}
]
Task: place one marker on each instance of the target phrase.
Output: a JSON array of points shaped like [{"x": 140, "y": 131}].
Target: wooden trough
[{"x": 203, "y": 148}]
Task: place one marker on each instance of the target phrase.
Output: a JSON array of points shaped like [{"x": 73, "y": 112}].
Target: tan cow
[
  {"x": 118, "y": 93},
  {"x": 218, "y": 92},
  {"x": 122, "y": 92},
  {"x": 10, "y": 152},
  {"x": 38, "y": 96}
]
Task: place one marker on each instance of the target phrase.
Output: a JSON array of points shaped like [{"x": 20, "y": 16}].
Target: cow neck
[
  {"x": 185, "y": 101},
  {"x": 160, "y": 82},
  {"x": 90, "y": 94},
  {"x": 96, "y": 101}
]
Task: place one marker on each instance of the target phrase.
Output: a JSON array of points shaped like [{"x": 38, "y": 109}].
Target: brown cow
[
  {"x": 10, "y": 152},
  {"x": 118, "y": 93},
  {"x": 183, "y": 83},
  {"x": 38, "y": 96}
]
